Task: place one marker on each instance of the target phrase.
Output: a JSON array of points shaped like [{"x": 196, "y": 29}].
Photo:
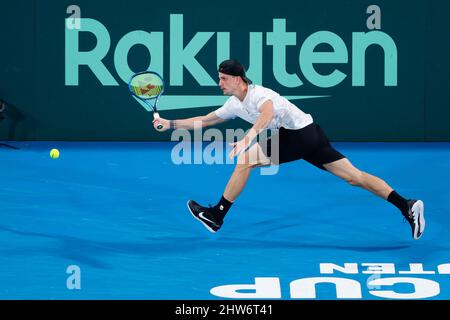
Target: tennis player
[{"x": 298, "y": 137}]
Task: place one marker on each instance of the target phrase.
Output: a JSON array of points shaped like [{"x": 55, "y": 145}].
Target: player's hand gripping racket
[{"x": 148, "y": 86}]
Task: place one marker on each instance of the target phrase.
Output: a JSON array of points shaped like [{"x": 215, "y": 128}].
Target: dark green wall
[
  {"x": 32, "y": 67},
  {"x": 437, "y": 72}
]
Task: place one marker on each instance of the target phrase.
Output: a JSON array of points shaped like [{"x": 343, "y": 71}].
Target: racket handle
[{"x": 156, "y": 116}]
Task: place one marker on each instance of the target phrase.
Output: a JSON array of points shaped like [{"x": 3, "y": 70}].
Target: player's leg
[
  {"x": 212, "y": 217},
  {"x": 345, "y": 170},
  {"x": 252, "y": 158},
  {"x": 327, "y": 158},
  {"x": 412, "y": 210}
]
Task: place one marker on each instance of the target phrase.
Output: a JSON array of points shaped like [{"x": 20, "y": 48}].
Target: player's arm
[
  {"x": 198, "y": 122},
  {"x": 265, "y": 117}
]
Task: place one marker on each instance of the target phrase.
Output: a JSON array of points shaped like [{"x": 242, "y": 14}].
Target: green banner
[{"x": 365, "y": 71}]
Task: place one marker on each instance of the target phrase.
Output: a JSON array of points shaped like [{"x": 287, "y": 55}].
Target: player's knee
[
  {"x": 243, "y": 166},
  {"x": 355, "y": 179},
  {"x": 243, "y": 163}
]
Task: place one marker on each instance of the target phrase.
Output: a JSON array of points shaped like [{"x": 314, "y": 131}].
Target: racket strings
[{"x": 147, "y": 86}]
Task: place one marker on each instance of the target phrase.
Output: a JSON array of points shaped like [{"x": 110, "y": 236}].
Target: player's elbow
[{"x": 206, "y": 122}]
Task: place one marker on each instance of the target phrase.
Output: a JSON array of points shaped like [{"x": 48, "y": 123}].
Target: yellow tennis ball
[{"x": 54, "y": 153}]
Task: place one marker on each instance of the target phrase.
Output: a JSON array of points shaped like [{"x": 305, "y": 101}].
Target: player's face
[{"x": 227, "y": 83}]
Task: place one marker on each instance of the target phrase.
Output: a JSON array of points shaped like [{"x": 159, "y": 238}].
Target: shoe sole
[
  {"x": 206, "y": 226},
  {"x": 418, "y": 208}
]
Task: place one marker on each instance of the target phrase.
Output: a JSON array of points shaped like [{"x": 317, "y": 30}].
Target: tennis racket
[{"x": 148, "y": 86}]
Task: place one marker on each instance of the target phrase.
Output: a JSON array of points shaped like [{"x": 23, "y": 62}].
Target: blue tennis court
[{"x": 117, "y": 212}]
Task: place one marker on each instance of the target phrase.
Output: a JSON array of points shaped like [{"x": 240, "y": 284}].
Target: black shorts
[{"x": 309, "y": 143}]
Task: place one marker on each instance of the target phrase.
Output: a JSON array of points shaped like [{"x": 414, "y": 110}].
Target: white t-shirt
[{"x": 287, "y": 115}]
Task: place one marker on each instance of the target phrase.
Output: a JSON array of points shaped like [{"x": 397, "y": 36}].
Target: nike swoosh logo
[
  {"x": 177, "y": 102},
  {"x": 203, "y": 217}
]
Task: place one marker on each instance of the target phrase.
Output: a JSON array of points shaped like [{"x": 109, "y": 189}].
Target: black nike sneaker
[
  {"x": 415, "y": 218},
  {"x": 205, "y": 215}
]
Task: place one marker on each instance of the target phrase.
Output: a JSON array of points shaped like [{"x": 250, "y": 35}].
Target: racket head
[{"x": 146, "y": 85}]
